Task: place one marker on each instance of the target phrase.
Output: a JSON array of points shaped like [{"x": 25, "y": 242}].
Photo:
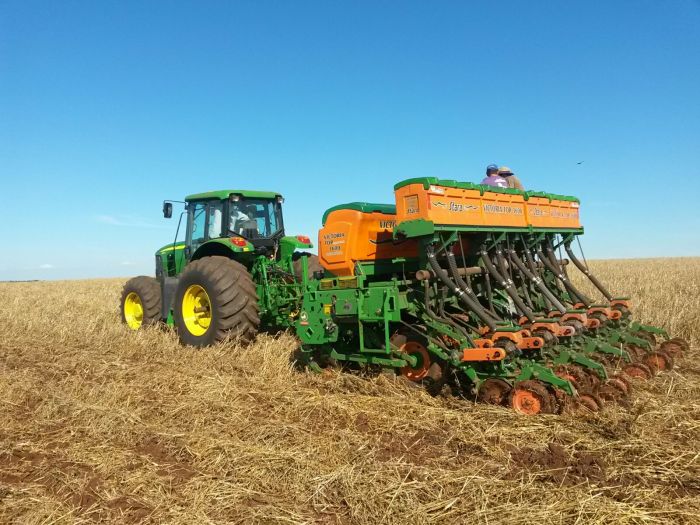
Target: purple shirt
[{"x": 495, "y": 180}]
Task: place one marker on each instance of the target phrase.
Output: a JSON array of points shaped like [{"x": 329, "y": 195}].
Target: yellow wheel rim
[
  {"x": 196, "y": 310},
  {"x": 133, "y": 311}
]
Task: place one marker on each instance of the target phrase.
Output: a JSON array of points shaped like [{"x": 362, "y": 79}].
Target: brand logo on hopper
[
  {"x": 506, "y": 210},
  {"x": 564, "y": 214},
  {"x": 455, "y": 206},
  {"x": 458, "y": 206},
  {"x": 387, "y": 225}
]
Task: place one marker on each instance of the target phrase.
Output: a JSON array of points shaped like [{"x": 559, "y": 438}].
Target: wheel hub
[
  {"x": 133, "y": 311},
  {"x": 196, "y": 310}
]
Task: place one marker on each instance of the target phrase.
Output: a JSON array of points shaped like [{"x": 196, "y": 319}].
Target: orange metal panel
[
  {"x": 350, "y": 236},
  {"x": 456, "y": 206},
  {"x": 539, "y": 212},
  {"x": 565, "y": 214}
]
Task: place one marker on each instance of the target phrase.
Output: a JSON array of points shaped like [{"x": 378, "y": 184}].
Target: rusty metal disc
[
  {"x": 647, "y": 336},
  {"x": 590, "y": 402},
  {"x": 614, "y": 389},
  {"x": 658, "y": 361},
  {"x": 638, "y": 371},
  {"x": 672, "y": 348},
  {"x": 574, "y": 374},
  {"x": 637, "y": 353},
  {"x": 682, "y": 342},
  {"x": 494, "y": 391}
]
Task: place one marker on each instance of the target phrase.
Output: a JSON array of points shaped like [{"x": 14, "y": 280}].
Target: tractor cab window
[
  {"x": 196, "y": 224},
  {"x": 255, "y": 218},
  {"x": 204, "y": 222},
  {"x": 214, "y": 222}
]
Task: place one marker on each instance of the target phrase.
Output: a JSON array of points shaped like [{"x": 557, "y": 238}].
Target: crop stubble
[{"x": 102, "y": 424}]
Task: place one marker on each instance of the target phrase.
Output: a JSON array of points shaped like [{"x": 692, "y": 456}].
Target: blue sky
[{"x": 107, "y": 108}]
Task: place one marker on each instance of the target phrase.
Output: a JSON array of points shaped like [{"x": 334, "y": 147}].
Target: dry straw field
[{"x": 103, "y": 425}]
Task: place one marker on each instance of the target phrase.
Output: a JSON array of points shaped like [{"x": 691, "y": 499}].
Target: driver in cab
[{"x": 242, "y": 218}]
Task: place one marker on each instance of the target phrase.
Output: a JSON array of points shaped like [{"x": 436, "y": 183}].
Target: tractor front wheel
[
  {"x": 140, "y": 302},
  {"x": 215, "y": 299}
]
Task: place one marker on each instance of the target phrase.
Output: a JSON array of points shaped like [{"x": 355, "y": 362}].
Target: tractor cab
[{"x": 236, "y": 215}]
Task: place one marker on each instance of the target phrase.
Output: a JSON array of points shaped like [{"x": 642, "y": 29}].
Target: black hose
[
  {"x": 435, "y": 317},
  {"x": 506, "y": 272},
  {"x": 537, "y": 281},
  {"x": 536, "y": 269},
  {"x": 559, "y": 275},
  {"x": 587, "y": 272},
  {"x": 462, "y": 284},
  {"x": 507, "y": 285},
  {"x": 461, "y": 295},
  {"x": 553, "y": 258},
  {"x": 489, "y": 292}
]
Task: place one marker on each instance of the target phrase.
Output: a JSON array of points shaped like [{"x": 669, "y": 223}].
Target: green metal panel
[
  {"x": 172, "y": 257},
  {"x": 171, "y": 247},
  {"x": 554, "y": 196},
  {"x": 288, "y": 245},
  {"x": 225, "y": 194},
  {"x": 421, "y": 227},
  {"x": 364, "y": 207},
  {"x": 433, "y": 181}
]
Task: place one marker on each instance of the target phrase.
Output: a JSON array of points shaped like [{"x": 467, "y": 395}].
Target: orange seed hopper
[
  {"x": 357, "y": 232},
  {"x": 468, "y": 205}
]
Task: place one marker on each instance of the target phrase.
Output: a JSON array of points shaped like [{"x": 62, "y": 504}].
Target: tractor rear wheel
[
  {"x": 140, "y": 302},
  {"x": 215, "y": 299},
  {"x": 313, "y": 264}
]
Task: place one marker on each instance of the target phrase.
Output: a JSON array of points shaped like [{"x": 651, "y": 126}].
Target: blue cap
[{"x": 491, "y": 168}]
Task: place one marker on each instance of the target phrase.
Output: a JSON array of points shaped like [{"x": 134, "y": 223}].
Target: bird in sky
[{"x": 579, "y": 163}]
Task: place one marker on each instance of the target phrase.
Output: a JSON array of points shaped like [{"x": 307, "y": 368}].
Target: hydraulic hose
[
  {"x": 587, "y": 272},
  {"x": 535, "y": 270},
  {"x": 463, "y": 285},
  {"x": 463, "y": 297},
  {"x": 506, "y": 271},
  {"x": 537, "y": 281},
  {"x": 507, "y": 285},
  {"x": 560, "y": 275},
  {"x": 553, "y": 257},
  {"x": 435, "y": 317}
]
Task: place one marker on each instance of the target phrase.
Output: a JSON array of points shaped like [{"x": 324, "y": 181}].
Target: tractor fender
[
  {"x": 289, "y": 243},
  {"x": 224, "y": 246}
]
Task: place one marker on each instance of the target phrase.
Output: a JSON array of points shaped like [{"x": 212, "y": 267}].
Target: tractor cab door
[{"x": 204, "y": 222}]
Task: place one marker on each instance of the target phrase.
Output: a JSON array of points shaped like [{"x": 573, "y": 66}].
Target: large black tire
[
  {"x": 232, "y": 299},
  {"x": 147, "y": 290},
  {"x": 312, "y": 262}
]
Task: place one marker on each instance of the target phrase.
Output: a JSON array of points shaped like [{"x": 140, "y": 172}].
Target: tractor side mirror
[{"x": 167, "y": 209}]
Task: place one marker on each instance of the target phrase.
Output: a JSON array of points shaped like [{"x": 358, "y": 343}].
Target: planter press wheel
[{"x": 531, "y": 398}]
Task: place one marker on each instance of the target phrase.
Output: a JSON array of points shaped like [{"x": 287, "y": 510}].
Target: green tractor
[{"x": 235, "y": 271}]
